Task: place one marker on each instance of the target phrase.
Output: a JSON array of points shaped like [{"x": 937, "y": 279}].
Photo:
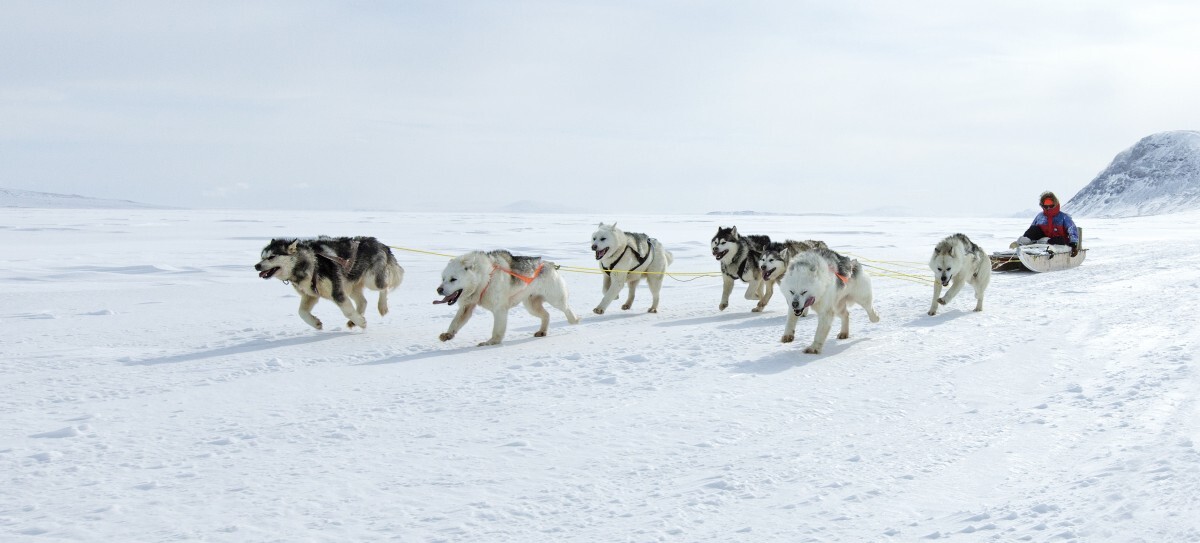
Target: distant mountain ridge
[
  {"x": 1159, "y": 174},
  {"x": 34, "y": 199}
]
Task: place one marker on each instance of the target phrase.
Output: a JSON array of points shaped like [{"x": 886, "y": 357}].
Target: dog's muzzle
[
  {"x": 267, "y": 273},
  {"x": 720, "y": 254},
  {"x": 766, "y": 273},
  {"x": 600, "y": 252},
  {"x": 449, "y": 299},
  {"x": 945, "y": 281},
  {"x": 798, "y": 309}
]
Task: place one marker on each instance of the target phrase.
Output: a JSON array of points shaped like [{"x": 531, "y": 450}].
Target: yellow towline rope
[{"x": 888, "y": 273}]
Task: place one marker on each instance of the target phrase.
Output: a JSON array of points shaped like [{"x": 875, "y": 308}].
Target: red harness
[{"x": 526, "y": 280}]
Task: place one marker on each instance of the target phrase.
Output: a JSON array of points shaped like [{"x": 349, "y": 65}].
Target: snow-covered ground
[{"x": 155, "y": 389}]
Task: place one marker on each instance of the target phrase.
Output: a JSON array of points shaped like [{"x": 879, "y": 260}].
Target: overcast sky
[{"x": 966, "y": 108}]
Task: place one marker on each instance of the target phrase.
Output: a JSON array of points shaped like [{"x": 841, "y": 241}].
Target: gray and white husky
[
  {"x": 738, "y": 256},
  {"x": 829, "y": 283},
  {"x": 498, "y": 281},
  {"x": 336, "y": 269},
  {"x": 957, "y": 260},
  {"x": 774, "y": 260},
  {"x": 627, "y": 257}
]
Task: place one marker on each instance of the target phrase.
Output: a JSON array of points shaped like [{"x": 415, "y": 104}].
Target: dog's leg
[
  {"x": 844, "y": 333},
  {"x": 955, "y": 285},
  {"x": 937, "y": 292},
  {"x": 382, "y": 306},
  {"x": 754, "y": 290},
  {"x": 460, "y": 318},
  {"x": 533, "y": 304},
  {"x": 726, "y": 290},
  {"x": 306, "y": 304},
  {"x": 612, "y": 289},
  {"x": 355, "y": 318},
  {"x": 824, "y": 323},
  {"x": 982, "y": 278},
  {"x": 558, "y": 300},
  {"x": 789, "y": 329},
  {"x": 633, "y": 283},
  {"x": 499, "y": 325},
  {"x": 655, "y": 283},
  {"x": 762, "y": 303},
  {"x": 360, "y": 304}
]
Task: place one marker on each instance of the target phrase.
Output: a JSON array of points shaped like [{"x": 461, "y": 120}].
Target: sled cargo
[{"x": 1039, "y": 257}]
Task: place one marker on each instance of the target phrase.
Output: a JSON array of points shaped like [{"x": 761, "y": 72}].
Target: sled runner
[{"x": 1039, "y": 257}]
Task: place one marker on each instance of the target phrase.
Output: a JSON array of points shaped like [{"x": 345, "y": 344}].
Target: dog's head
[
  {"x": 772, "y": 263},
  {"x": 725, "y": 242},
  {"x": 463, "y": 275},
  {"x": 945, "y": 262},
  {"x": 278, "y": 259},
  {"x": 606, "y": 238},
  {"x": 806, "y": 279}
]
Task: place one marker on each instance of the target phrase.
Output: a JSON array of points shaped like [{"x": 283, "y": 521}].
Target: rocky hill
[{"x": 1160, "y": 174}]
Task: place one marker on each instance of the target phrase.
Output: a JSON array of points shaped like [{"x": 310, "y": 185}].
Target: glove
[{"x": 1074, "y": 250}]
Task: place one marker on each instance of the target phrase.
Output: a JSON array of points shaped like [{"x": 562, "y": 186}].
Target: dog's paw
[
  {"x": 844, "y": 335},
  {"x": 446, "y": 336},
  {"x": 812, "y": 350},
  {"x": 757, "y": 309},
  {"x": 652, "y": 310},
  {"x": 932, "y": 312},
  {"x": 942, "y": 301},
  {"x": 626, "y": 306},
  {"x": 318, "y": 325},
  {"x": 598, "y": 311},
  {"x": 722, "y": 307},
  {"x": 787, "y": 338},
  {"x": 488, "y": 343},
  {"x": 539, "y": 333}
]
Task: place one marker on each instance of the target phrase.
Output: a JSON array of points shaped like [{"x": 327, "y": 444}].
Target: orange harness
[{"x": 526, "y": 280}]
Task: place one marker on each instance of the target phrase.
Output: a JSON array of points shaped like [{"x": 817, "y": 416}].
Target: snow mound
[
  {"x": 1158, "y": 175},
  {"x": 50, "y": 200}
]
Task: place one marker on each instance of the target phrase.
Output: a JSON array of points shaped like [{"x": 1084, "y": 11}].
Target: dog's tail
[
  {"x": 395, "y": 273},
  {"x": 670, "y": 257}
]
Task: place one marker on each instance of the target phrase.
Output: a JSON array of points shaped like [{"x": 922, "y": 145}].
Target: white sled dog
[
  {"x": 336, "y": 269},
  {"x": 498, "y": 281},
  {"x": 957, "y": 260},
  {"x": 829, "y": 283},
  {"x": 774, "y": 261},
  {"x": 738, "y": 256},
  {"x": 627, "y": 257}
]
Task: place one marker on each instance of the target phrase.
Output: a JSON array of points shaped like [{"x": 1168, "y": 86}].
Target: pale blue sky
[{"x": 677, "y": 107}]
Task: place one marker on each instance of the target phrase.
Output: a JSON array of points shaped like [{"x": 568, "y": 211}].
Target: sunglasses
[{"x": 1047, "y": 206}]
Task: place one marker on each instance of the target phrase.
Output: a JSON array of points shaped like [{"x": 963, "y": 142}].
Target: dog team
[{"x": 807, "y": 273}]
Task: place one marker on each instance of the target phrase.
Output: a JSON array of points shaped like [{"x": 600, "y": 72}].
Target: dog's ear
[
  {"x": 733, "y": 232},
  {"x": 292, "y": 247}
]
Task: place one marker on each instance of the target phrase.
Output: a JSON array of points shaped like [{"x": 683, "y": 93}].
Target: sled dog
[
  {"x": 773, "y": 262},
  {"x": 957, "y": 260},
  {"x": 627, "y": 257},
  {"x": 829, "y": 283},
  {"x": 498, "y": 281},
  {"x": 738, "y": 256},
  {"x": 336, "y": 269}
]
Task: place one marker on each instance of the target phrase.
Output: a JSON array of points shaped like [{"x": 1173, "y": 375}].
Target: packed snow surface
[{"x": 155, "y": 389}]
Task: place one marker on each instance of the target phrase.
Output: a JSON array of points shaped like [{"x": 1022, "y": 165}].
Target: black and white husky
[
  {"x": 627, "y": 257},
  {"x": 738, "y": 256},
  {"x": 829, "y": 283},
  {"x": 774, "y": 261},
  {"x": 957, "y": 260},
  {"x": 336, "y": 269},
  {"x": 498, "y": 281}
]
